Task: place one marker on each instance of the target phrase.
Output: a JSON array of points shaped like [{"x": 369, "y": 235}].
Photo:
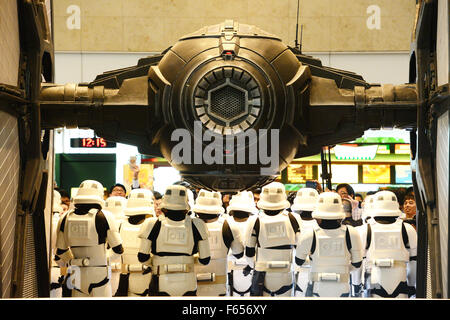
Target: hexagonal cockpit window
[{"x": 227, "y": 103}]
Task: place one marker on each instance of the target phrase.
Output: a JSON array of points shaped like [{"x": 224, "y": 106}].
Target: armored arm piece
[
  {"x": 112, "y": 234},
  {"x": 145, "y": 244},
  {"x": 62, "y": 248},
  {"x": 232, "y": 239},
  {"x": 304, "y": 245},
  {"x": 204, "y": 253},
  {"x": 412, "y": 264}
]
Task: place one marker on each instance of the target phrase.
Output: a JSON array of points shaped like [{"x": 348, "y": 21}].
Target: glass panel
[
  {"x": 376, "y": 173},
  {"x": 299, "y": 173},
  {"x": 403, "y": 174},
  {"x": 342, "y": 173}
]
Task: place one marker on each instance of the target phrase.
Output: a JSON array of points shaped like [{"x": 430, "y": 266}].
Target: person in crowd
[
  {"x": 256, "y": 194},
  {"x": 226, "y": 200},
  {"x": 347, "y": 205},
  {"x": 223, "y": 237},
  {"x": 334, "y": 250},
  {"x": 346, "y": 192},
  {"x": 303, "y": 206},
  {"x": 409, "y": 209},
  {"x": 272, "y": 236},
  {"x": 290, "y": 197},
  {"x": 168, "y": 245},
  {"x": 359, "y": 197},
  {"x": 315, "y": 185},
  {"x": 134, "y": 277},
  {"x": 240, "y": 270},
  {"x": 390, "y": 249},
  {"x": 65, "y": 199},
  {"x": 157, "y": 198},
  {"x": 118, "y": 190},
  {"x": 82, "y": 236}
]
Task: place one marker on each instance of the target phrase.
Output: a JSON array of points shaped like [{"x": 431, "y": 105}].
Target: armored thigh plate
[
  {"x": 89, "y": 281},
  {"x": 177, "y": 284}
]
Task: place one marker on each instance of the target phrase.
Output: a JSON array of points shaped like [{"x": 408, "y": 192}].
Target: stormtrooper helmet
[
  {"x": 385, "y": 204},
  {"x": 368, "y": 205},
  {"x": 90, "y": 192},
  {"x": 242, "y": 201},
  {"x": 57, "y": 208},
  {"x": 116, "y": 205},
  {"x": 273, "y": 197},
  {"x": 191, "y": 200},
  {"x": 209, "y": 202},
  {"x": 175, "y": 198},
  {"x": 305, "y": 200},
  {"x": 140, "y": 201},
  {"x": 329, "y": 207}
]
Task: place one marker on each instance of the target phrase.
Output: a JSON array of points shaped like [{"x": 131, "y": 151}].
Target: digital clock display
[{"x": 91, "y": 143}]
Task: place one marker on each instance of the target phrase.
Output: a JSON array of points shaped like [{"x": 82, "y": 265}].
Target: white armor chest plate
[
  {"x": 331, "y": 253},
  {"x": 175, "y": 236},
  {"x": 387, "y": 242},
  {"x": 130, "y": 242},
  {"x": 306, "y": 224},
  {"x": 80, "y": 230},
  {"x": 128, "y": 233},
  {"x": 275, "y": 231},
  {"x": 216, "y": 244},
  {"x": 241, "y": 228}
]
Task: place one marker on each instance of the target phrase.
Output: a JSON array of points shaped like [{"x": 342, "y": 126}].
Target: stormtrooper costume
[
  {"x": 212, "y": 278},
  {"x": 272, "y": 237},
  {"x": 304, "y": 204},
  {"x": 134, "y": 276},
  {"x": 168, "y": 244},
  {"x": 240, "y": 270},
  {"x": 366, "y": 218},
  {"x": 333, "y": 249},
  {"x": 83, "y": 234},
  {"x": 115, "y": 205},
  {"x": 390, "y": 250},
  {"x": 58, "y": 268}
]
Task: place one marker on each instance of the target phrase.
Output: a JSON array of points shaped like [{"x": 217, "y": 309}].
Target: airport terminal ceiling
[{"x": 250, "y": 62}]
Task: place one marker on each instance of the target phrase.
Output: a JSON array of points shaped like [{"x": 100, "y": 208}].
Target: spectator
[
  {"x": 409, "y": 209},
  {"x": 118, "y": 190},
  {"x": 65, "y": 199},
  {"x": 157, "y": 198},
  {"x": 346, "y": 192},
  {"x": 290, "y": 197},
  {"x": 314, "y": 184},
  {"x": 256, "y": 194},
  {"x": 226, "y": 200},
  {"x": 359, "y": 197}
]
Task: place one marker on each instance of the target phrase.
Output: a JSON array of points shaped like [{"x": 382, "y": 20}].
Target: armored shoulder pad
[
  {"x": 355, "y": 237},
  {"x": 112, "y": 223},
  {"x": 412, "y": 237},
  {"x": 147, "y": 227},
  {"x": 200, "y": 225}
]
